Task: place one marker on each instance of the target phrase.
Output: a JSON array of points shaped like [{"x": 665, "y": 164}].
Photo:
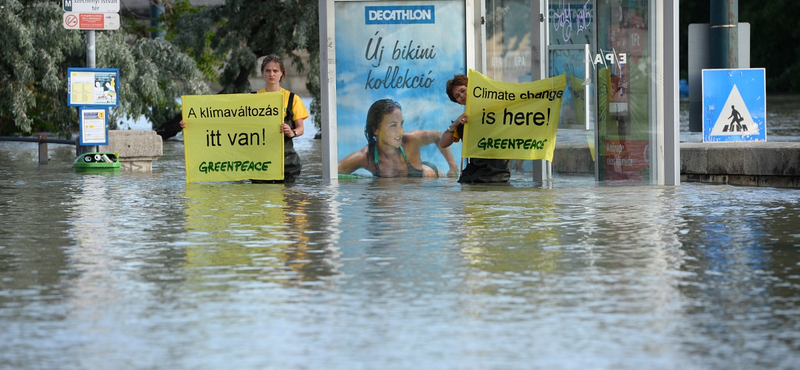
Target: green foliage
[
  {"x": 241, "y": 31},
  {"x": 138, "y": 27},
  {"x": 774, "y": 39},
  {"x": 153, "y": 72},
  {"x": 36, "y": 52},
  {"x": 33, "y": 52},
  {"x": 207, "y": 61}
]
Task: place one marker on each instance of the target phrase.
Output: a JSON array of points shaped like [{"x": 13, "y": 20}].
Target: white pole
[
  {"x": 90, "y": 49},
  {"x": 91, "y": 62}
]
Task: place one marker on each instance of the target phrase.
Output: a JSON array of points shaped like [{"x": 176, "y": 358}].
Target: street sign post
[
  {"x": 91, "y": 6},
  {"x": 91, "y": 21},
  {"x": 92, "y": 15},
  {"x": 734, "y": 105}
]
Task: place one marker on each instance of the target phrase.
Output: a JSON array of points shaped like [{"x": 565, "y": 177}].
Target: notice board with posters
[
  {"x": 98, "y": 87},
  {"x": 403, "y": 51}
]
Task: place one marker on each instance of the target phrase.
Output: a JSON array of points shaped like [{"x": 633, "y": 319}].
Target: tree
[
  {"x": 153, "y": 73},
  {"x": 37, "y": 51},
  {"x": 774, "y": 39},
  {"x": 33, "y": 54},
  {"x": 237, "y": 33}
]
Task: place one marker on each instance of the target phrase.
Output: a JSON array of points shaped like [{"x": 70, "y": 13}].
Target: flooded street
[{"x": 144, "y": 271}]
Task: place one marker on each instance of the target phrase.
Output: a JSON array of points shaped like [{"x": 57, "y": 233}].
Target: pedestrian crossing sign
[{"x": 734, "y": 105}]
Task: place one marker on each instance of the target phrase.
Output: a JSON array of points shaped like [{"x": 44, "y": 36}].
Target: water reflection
[
  {"x": 502, "y": 234},
  {"x": 259, "y": 232},
  {"x": 389, "y": 273}
]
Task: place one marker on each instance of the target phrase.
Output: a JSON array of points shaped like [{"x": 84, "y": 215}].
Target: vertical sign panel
[
  {"x": 94, "y": 126},
  {"x": 734, "y": 105},
  {"x": 404, "y": 51}
]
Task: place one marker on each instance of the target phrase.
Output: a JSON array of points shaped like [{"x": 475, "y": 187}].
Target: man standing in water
[{"x": 478, "y": 170}]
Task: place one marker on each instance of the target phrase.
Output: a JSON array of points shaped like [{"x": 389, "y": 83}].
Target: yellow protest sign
[
  {"x": 230, "y": 137},
  {"x": 512, "y": 120}
]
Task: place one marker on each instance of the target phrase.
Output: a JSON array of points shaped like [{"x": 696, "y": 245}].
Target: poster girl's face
[
  {"x": 390, "y": 130},
  {"x": 272, "y": 73},
  {"x": 460, "y": 93}
]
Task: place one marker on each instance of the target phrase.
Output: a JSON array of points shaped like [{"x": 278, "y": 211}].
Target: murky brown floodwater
[{"x": 142, "y": 271}]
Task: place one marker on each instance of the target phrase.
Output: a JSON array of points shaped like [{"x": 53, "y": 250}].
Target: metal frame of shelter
[{"x": 662, "y": 116}]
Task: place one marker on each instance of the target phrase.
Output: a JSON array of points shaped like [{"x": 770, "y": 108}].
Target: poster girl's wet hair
[{"x": 375, "y": 114}]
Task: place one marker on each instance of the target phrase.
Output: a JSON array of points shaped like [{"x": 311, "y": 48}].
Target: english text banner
[{"x": 512, "y": 120}]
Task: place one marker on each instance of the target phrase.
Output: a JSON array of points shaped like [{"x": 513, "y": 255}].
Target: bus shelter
[{"x": 620, "y": 58}]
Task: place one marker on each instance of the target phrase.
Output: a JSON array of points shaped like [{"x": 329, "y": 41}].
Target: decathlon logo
[{"x": 400, "y": 14}]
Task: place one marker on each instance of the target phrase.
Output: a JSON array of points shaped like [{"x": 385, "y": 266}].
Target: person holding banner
[
  {"x": 295, "y": 113},
  {"x": 392, "y": 152},
  {"x": 478, "y": 170}
]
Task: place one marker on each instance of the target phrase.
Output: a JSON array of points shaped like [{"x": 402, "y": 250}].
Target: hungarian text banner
[{"x": 231, "y": 137}]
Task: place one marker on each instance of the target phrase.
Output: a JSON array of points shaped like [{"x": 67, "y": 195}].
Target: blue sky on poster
[{"x": 364, "y": 54}]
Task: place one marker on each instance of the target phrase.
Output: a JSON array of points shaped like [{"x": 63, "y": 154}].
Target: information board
[
  {"x": 94, "y": 126},
  {"x": 93, "y": 87}
]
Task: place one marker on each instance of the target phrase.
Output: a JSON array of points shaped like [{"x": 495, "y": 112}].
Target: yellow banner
[
  {"x": 231, "y": 137},
  {"x": 512, "y": 120}
]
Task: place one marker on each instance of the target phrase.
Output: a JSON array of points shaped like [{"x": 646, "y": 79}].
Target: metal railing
[{"x": 43, "y": 141}]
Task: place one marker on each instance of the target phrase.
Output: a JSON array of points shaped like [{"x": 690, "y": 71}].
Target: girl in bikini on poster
[{"x": 392, "y": 152}]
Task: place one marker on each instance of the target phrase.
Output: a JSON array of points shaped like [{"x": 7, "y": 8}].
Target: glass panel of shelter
[
  {"x": 623, "y": 68},
  {"x": 508, "y": 46},
  {"x": 508, "y": 58},
  {"x": 607, "y": 103}
]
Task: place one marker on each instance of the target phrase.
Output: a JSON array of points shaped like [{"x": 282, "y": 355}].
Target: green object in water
[{"x": 96, "y": 162}]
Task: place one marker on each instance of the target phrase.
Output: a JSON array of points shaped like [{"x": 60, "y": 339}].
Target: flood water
[{"x": 144, "y": 271}]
